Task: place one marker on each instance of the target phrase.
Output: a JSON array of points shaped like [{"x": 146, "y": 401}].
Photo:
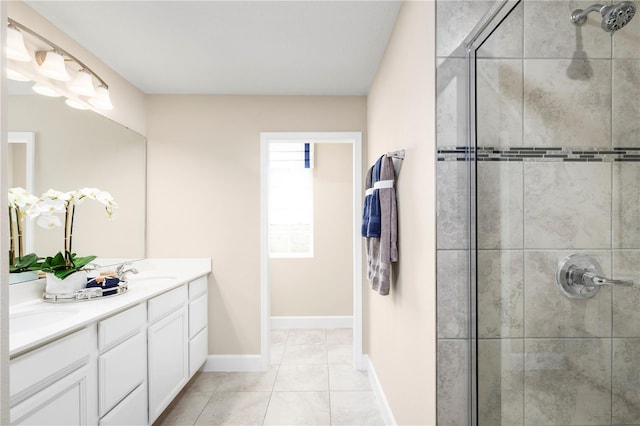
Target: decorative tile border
[{"x": 575, "y": 154}]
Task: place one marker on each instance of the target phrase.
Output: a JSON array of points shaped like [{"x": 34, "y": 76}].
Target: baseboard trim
[
  {"x": 234, "y": 363},
  {"x": 387, "y": 414},
  {"x": 283, "y": 323}
]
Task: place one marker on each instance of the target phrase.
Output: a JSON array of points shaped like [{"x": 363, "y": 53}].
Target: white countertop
[{"x": 53, "y": 320}]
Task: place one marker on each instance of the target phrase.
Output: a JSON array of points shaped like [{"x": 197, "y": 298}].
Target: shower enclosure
[{"x": 539, "y": 214}]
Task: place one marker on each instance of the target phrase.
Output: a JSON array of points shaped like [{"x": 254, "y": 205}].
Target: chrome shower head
[{"x": 614, "y": 17}]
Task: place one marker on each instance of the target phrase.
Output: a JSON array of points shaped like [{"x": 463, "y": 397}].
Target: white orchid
[
  {"x": 53, "y": 202},
  {"x": 47, "y": 206},
  {"x": 21, "y": 198},
  {"x": 49, "y": 221},
  {"x": 20, "y": 203},
  {"x": 52, "y": 194},
  {"x": 102, "y": 197}
]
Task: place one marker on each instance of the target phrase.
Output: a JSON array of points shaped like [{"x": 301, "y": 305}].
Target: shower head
[{"x": 614, "y": 17}]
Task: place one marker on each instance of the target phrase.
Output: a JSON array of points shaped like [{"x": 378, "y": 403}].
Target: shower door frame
[{"x": 481, "y": 32}]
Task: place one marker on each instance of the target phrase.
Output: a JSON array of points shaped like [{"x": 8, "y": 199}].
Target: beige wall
[
  {"x": 322, "y": 285},
  {"x": 204, "y": 191},
  {"x": 128, "y": 101},
  {"x": 401, "y": 114}
]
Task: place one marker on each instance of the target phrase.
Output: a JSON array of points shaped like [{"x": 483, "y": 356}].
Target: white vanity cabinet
[
  {"x": 56, "y": 383},
  {"x": 123, "y": 368},
  {"x": 168, "y": 348}
]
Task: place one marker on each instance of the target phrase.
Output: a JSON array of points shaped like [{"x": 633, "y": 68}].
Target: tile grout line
[{"x": 203, "y": 408}]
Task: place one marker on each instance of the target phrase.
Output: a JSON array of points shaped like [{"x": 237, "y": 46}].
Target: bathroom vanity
[{"x": 120, "y": 360}]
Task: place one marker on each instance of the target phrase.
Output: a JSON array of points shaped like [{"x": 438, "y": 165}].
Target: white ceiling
[{"x": 233, "y": 47}]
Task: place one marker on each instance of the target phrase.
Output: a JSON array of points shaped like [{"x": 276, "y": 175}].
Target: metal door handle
[{"x": 580, "y": 276}]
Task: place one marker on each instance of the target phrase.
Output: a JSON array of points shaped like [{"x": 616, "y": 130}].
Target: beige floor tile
[
  {"x": 259, "y": 381},
  {"x": 355, "y": 408},
  {"x": 294, "y": 377},
  {"x": 293, "y": 391},
  {"x": 298, "y": 408},
  {"x": 342, "y": 377},
  {"x": 307, "y": 337},
  {"x": 235, "y": 408},
  {"x": 339, "y": 336},
  {"x": 185, "y": 409},
  {"x": 340, "y": 354},
  {"x": 305, "y": 354},
  {"x": 279, "y": 336},
  {"x": 206, "y": 381},
  {"x": 277, "y": 350}
]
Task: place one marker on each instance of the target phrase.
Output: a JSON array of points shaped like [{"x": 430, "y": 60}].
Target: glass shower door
[{"x": 557, "y": 135}]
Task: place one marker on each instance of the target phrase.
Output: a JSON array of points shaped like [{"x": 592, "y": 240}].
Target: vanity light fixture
[
  {"x": 75, "y": 104},
  {"x": 82, "y": 84},
  {"x": 52, "y": 65},
  {"x": 16, "y": 49},
  {"x": 45, "y": 90},
  {"x": 101, "y": 100},
  {"x": 84, "y": 88},
  {"x": 15, "y": 75}
]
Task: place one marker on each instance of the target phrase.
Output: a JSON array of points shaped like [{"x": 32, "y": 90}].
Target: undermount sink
[{"x": 21, "y": 322}]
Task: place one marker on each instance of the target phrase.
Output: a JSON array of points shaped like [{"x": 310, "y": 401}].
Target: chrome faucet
[{"x": 122, "y": 271}]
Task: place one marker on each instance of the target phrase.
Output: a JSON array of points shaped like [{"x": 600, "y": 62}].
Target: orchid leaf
[
  {"x": 28, "y": 262},
  {"x": 59, "y": 267}
]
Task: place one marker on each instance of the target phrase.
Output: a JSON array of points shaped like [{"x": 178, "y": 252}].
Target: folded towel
[
  {"x": 105, "y": 283},
  {"x": 383, "y": 250},
  {"x": 371, "y": 213}
]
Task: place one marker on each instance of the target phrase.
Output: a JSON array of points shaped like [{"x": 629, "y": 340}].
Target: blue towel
[
  {"x": 108, "y": 283},
  {"x": 371, "y": 217}
]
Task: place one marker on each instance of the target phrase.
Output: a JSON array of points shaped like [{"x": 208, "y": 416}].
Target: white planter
[{"x": 71, "y": 284}]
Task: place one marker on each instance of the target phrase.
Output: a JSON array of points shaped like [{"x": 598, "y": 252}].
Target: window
[{"x": 290, "y": 200}]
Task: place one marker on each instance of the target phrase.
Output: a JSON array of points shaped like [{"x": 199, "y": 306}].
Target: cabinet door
[
  {"x": 65, "y": 402},
  {"x": 168, "y": 360},
  {"x": 120, "y": 370}
]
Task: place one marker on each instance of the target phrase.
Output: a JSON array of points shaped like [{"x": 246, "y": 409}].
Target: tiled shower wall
[{"x": 559, "y": 174}]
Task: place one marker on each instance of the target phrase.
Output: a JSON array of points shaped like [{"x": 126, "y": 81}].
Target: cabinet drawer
[
  {"x": 65, "y": 402},
  {"x": 40, "y": 367},
  {"x": 131, "y": 411},
  {"x": 121, "y": 325},
  {"x": 197, "y": 287},
  {"x": 120, "y": 370},
  {"x": 197, "y": 315},
  {"x": 166, "y": 303},
  {"x": 198, "y": 351}
]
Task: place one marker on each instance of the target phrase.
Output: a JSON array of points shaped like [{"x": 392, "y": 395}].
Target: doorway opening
[{"x": 354, "y": 139}]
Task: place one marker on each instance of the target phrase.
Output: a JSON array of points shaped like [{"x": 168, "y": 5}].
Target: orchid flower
[
  {"x": 49, "y": 221},
  {"x": 20, "y": 202},
  {"x": 53, "y": 202}
]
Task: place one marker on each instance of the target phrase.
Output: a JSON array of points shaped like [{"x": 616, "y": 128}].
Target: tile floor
[{"x": 310, "y": 382}]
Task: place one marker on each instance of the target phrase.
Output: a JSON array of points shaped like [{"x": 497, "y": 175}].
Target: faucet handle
[{"x": 121, "y": 267}]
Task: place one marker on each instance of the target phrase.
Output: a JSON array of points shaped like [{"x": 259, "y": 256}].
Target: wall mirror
[{"x": 73, "y": 149}]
